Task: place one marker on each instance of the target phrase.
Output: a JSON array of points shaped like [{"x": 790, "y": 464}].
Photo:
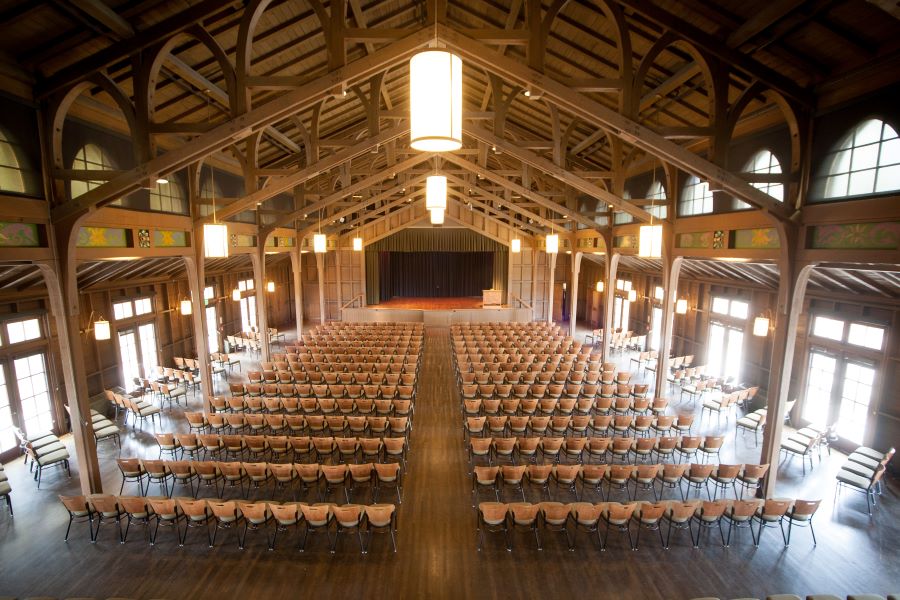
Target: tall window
[
  {"x": 656, "y": 315},
  {"x": 11, "y": 175},
  {"x": 128, "y": 352},
  {"x": 168, "y": 197},
  {"x": 149, "y": 355},
  {"x": 210, "y": 190},
  {"x": 34, "y": 395},
  {"x": 659, "y": 209},
  {"x": 765, "y": 163},
  {"x": 841, "y": 375},
  {"x": 725, "y": 346},
  {"x": 696, "y": 199},
  {"x": 212, "y": 329},
  {"x": 89, "y": 158},
  {"x": 867, "y": 161},
  {"x": 7, "y": 436}
]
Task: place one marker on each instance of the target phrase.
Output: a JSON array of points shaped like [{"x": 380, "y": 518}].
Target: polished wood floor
[{"x": 437, "y": 555}]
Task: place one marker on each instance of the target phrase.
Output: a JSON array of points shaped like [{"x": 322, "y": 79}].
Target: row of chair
[
  {"x": 6, "y": 490},
  {"x": 726, "y": 403},
  {"x": 537, "y": 391},
  {"x": 863, "y": 471},
  {"x": 511, "y": 374},
  {"x": 595, "y": 449},
  {"x": 260, "y": 475},
  {"x": 138, "y": 408},
  {"x": 818, "y": 597},
  {"x": 281, "y": 447},
  {"x": 527, "y": 407},
  {"x": 335, "y": 391},
  {"x": 42, "y": 451},
  {"x": 803, "y": 443},
  {"x": 313, "y": 406},
  {"x": 224, "y": 515},
  {"x": 316, "y": 425},
  {"x": 584, "y": 516},
  {"x": 694, "y": 477},
  {"x": 577, "y": 425}
]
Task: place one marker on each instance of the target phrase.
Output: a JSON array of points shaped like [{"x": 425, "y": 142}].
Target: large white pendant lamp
[
  {"x": 515, "y": 246},
  {"x": 437, "y": 216},
  {"x": 101, "y": 329},
  {"x": 435, "y": 101},
  {"x": 320, "y": 243},
  {"x": 215, "y": 240},
  {"x": 436, "y": 192},
  {"x": 650, "y": 241},
  {"x": 357, "y": 244},
  {"x": 552, "y": 243}
]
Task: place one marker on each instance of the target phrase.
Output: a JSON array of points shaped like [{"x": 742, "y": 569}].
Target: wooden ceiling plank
[
  {"x": 100, "y": 12},
  {"x": 771, "y": 13}
]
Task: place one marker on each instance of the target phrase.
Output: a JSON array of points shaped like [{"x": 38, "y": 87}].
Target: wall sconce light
[
  {"x": 599, "y": 286},
  {"x": 101, "y": 329},
  {"x": 186, "y": 307},
  {"x": 632, "y": 295},
  {"x": 681, "y": 306},
  {"x": 236, "y": 295},
  {"x": 761, "y": 324},
  {"x": 270, "y": 286}
]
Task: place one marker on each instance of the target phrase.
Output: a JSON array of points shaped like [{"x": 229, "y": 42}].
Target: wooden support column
[
  {"x": 297, "y": 282},
  {"x": 791, "y": 291},
  {"x": 197, "y": 281},
  {"x": 534, "y": 283},
  {"x": 320, "y": 269},
  {"x": 552, "y": 284},
  {"x": 671, "y": 270},
  {"x": 258, "y": 260},
  {"x": 62, "y": 288},
  {"x": 573, "y": 293},
  {"x": 609, "y": 293}
]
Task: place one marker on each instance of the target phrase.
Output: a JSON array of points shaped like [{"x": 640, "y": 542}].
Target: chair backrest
[
  {"x": 744, "y": 508},
  {"x": 652, "y": 512},
  {"x": 775, "y": 508}
]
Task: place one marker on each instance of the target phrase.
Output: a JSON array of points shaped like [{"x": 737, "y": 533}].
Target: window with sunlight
[
  {"x": 22, "y": 331},
  {"x": 168, "y": 197},
  {"x": 657, "y": 192},
  {"x": 696, "y": 199},
  {"x": 11, "y": 176},
  {"x": 765, "y": 163},
  {"x": 867, "y": 161},
  {"x": 89, "y": 158}
]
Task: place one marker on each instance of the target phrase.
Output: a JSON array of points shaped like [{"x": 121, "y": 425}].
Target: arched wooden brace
[
  {"x": 258, "y": 261},
  {"x": 371, "y": 102},
  {"x": 196, "y": 275},
  {"x": 297, "y": 283},
  {"x": 539, "y": 28},
  {"x": 500, "y": 101},
  {"x": 623, "y": 46},
  {"x": 573, "y": 292},
  {"x": 612, "y": 267},
  {"x": 671, "y": 270}
]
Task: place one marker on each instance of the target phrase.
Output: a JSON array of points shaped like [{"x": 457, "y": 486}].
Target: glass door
[
  {"x": 149, "y": 355},
  {"x": 7, "y": 436},
  {"x": 819, "y": 384},
  {"x": 212, "y": 329},
  {"x": 129, "y": 355},
  {"x": 248, "y": 313},
  {"x": 34, "y": 398},
  {"x": 856, "y": 393},
  {"x": 725, "y": 350},
  {"x": 655, "y": 327}
]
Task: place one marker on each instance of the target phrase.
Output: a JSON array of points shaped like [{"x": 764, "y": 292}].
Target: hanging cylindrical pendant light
[
  {"x": 215, "y": 240},
  {"x": 552, "y": 243},
  {"x": 650, "y": 241},
  {"x": 436, "y": 192},
  {"x": 320, "y": 243},
  {"x": 435, "y": 101},
  {"x": 515, "y": 246},
  {"x": 101, "y": 329},
  {"x": 186, "y": 307},
  {"x": 357, "y": 244},
  {"x": 437, "y": 216}
]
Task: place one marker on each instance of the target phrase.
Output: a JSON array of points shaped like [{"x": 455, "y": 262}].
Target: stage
[{"x": 436, "y": 311}]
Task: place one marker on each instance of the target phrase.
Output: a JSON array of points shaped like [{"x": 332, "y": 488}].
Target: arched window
[
  {"x": 168, "y": 197},
  {"x": 11, "y": 178},
  {"x": 89, "y": 157},
  {"x": 696, "y": 199},
  {"x": 867, "y": 161},
  {"x": 657, "y": 192},
  {"x": 765, "y": 163}
]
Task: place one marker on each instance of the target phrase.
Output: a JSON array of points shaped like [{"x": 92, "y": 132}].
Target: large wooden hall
[{"x": 449, "y": 299}]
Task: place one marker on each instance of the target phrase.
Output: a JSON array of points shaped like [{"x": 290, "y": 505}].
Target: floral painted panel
[
  {"x": 169, "y": 238},
  {"x": 626, "y": 242},
  {"x": 857, "y": 236},
  {"x": 756, "y": 239},
  {"x": 700, "y": 239},
  {"x": 19, "y": 235},
  {"x": 102, "y": 237},
  {"x": 243, "y": 241},
  {"x": 285, "y": 242}
]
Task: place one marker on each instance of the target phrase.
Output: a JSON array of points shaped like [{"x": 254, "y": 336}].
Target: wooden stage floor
[
  {"x": 437, "y": 555},
  {"x": 431, "y": 303}
]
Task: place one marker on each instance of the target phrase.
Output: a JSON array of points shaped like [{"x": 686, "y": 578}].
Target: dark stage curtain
[{"x": 434, "y": 274}]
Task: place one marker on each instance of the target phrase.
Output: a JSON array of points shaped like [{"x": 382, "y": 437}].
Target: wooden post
[
  {"x": 197, "y": 281},
  {"x": 671, "y": 271},
  {"x": 320, "y": 269},
  {"x": 573, "y": 293},
  {"x": 258, "y": 260},
  {"x": 296, "y": 272},
  {"x": 609, "y": 293},
  {"x": 552, "y": 284}
]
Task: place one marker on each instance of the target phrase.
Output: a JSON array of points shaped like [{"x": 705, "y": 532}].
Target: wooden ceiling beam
[
  {"x": 100, "y": 12},
  {"x": 242, "y": 126},
  {"x": 634, "y": 133},
  {"x": 81, "y": 70},
  {"x": 771, "y": 13}
]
